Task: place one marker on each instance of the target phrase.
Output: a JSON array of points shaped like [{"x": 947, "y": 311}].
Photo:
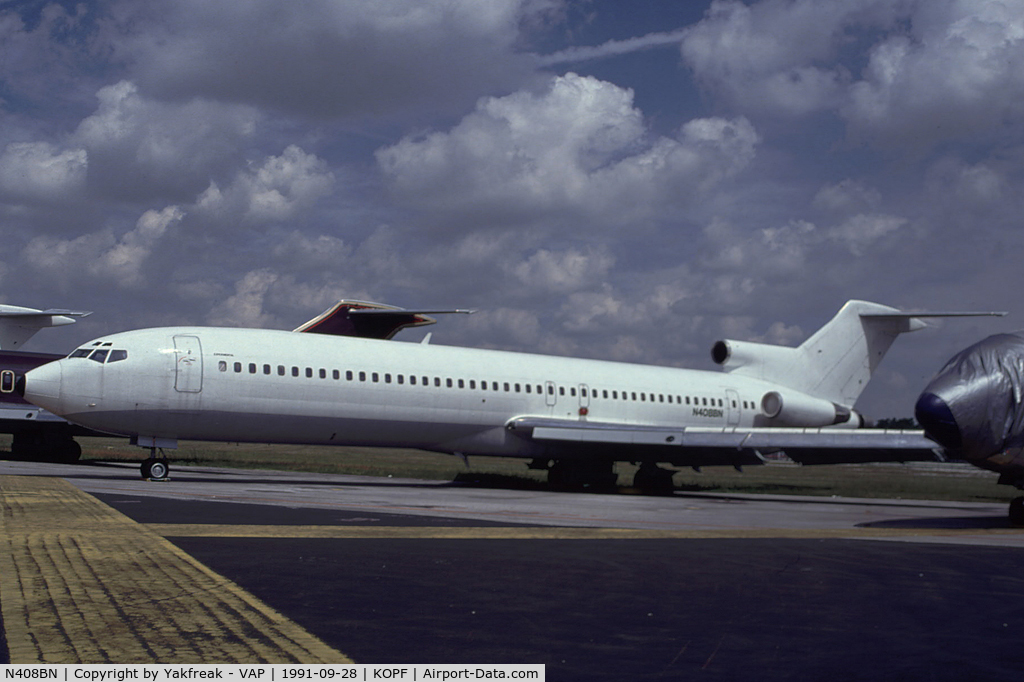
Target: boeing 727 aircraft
[{"x": 573, "y": 417}]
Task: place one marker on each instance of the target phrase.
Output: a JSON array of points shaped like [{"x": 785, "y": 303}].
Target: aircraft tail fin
[
  {"x": 837, "y": 361},
  {"x": 368, "y": 320},
  {"x": 18, "y": 325}
]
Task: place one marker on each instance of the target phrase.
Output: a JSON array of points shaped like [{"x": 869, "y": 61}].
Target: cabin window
[
  {"x": 519, "y": 388},
  {"x": 437, "y": 382},
  {"x": 237, "y": 367},
  {"x": 323, "y": 373},
  {"x": 412, "y": 379},
  {"x": 222, "y": 366},
  {"x": 462, "y": 384},
  {"x": 309, "y": 372},
  {"x": 252, "y": 368},
  {"x": 266, "y": 369},
  {"x": 472, "y": 383},
  {"x": 387, "y": 378},
  {"x": 401, "y": 378},
  {"x": 362, "y": 376},
  {"x": 375, "y": 377},
  {"x": 426, "y": 381},
  {"x": 7, "y": 381}
]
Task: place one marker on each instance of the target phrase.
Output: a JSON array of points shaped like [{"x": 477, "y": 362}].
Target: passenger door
[{"x": 188, "y": 375}]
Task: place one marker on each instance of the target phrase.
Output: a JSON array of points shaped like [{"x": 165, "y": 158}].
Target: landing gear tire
[
  {"x": 590, "y": 476},
  {"x": 1016, "y": 515},
  {"x": 155, "y": 469},
  {"x": 70, "y": 452},
  {"x": 653, "y": 480}
]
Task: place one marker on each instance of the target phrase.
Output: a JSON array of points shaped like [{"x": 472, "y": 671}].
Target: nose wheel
[{"x": 155, "y": 468}]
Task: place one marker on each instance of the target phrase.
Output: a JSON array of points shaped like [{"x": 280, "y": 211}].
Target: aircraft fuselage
[{"x": 282, "y": 387}]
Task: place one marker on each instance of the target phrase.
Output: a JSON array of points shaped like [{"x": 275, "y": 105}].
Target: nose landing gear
[{"x": 156, "y": 468}]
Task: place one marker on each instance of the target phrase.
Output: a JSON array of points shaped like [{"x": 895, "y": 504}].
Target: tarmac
[{"x": 234, "y": 566}]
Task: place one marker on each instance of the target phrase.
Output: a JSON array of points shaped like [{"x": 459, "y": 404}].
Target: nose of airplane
[
  {"x": 935, "y": 417},
  {"x": 974, "y": 406},
  {"x": 42, "y": 386}
]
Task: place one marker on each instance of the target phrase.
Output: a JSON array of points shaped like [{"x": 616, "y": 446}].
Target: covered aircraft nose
[
  {"x": 935, "y": 417},
  {"x": 42, "y": 386},
  {"x": 974, "y": 407}
]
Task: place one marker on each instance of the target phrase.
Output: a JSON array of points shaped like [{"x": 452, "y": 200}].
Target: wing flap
[{"x": 807, "y": 446}]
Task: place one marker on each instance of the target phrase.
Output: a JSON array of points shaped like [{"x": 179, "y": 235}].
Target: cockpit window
[
  {"x": 99, "y": 355},
  {"x": 116, "y": 355},
  {"x": 81, "y": 353}
]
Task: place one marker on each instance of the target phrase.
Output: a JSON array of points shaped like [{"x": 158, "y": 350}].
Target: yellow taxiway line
[
  {"x": 550, "y": 533},
  {"x": 82, "y": 583}
]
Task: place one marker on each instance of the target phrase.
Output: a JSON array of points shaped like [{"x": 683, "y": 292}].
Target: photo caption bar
[{"x": 154, "y": 672}]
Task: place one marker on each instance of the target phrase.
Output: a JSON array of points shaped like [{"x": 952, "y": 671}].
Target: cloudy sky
[{"x": 611, "y": 180}]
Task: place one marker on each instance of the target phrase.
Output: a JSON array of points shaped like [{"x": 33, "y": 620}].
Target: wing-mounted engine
[{"x": 369, "y": 320}]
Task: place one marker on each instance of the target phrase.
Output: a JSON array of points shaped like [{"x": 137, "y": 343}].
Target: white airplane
[{"x": 574, "y": 417}]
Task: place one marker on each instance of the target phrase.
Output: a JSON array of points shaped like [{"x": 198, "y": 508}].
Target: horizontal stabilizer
[
  {"x": 369, "y": 320},
  {"x": 18, "y": 325}
]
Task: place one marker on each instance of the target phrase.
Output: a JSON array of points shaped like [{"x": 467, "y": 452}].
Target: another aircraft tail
[
  {"x": 18, "y": 325},
  {"x": 837, "y": 361}
]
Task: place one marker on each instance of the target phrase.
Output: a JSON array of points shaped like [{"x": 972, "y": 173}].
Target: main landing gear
[
  {"x": 591, "y": 475},
  {"x": 45, "y": 446},
  {"x": 653, "y": 480},
  {"x": 155, "y": 468},
  {"x": 1016, "y": 515}
]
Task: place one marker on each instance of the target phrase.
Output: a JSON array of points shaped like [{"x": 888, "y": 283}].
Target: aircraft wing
[{"x": 704, "y": 446}]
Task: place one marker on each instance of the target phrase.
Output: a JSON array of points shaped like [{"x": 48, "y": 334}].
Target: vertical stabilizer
[
  {"x": 18, "y": 325},
  {"x": 841, "y": 356}
]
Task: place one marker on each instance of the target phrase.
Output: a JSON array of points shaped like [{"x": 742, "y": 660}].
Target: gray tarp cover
[{"x": 983, "y": 386}]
